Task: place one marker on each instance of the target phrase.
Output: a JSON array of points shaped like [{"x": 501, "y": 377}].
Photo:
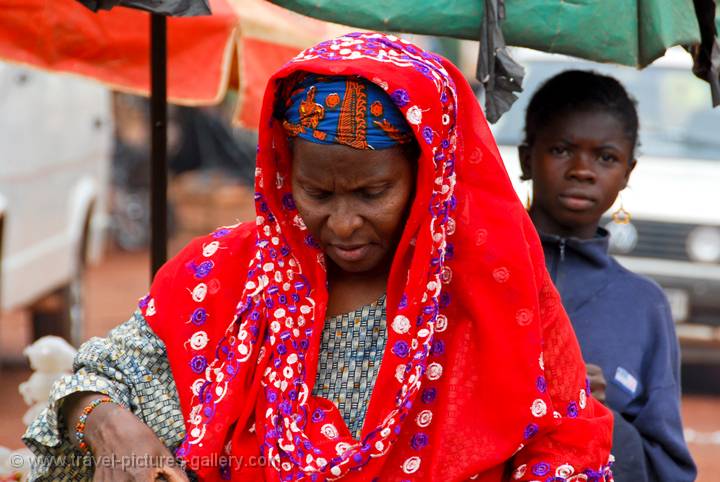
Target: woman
[
  {"x": 581, "y": 134},
  {"x": 380, "y": 192}
]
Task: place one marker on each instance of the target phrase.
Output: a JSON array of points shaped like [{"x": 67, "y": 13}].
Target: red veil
[{"x": 489, "y": 383}]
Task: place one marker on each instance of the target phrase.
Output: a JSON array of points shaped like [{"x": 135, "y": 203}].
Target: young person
[
  {"x": 581, "y": 132},
  {"x": 387, "y": 317}
]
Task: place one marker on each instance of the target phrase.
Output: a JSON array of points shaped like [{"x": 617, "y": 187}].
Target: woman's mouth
[
  {"x": 350, "y": 253},
  {"x": 576, "y": 202}
]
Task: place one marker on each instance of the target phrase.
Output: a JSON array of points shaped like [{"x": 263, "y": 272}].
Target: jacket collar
[{"x": 594, "y": 250}]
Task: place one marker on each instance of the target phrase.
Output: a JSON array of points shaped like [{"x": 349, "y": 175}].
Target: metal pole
[{"x": 158, "y": 119}]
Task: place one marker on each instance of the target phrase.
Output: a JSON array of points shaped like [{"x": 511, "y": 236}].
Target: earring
[
  {"x": 528, "y": 195},
  {"x": 621, "y": 215}
]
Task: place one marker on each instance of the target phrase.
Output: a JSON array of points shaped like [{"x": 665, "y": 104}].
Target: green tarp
[{"x": 629, "y": 32}]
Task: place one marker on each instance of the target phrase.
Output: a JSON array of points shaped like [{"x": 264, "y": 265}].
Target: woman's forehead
[{"x": 322, "y": 162}]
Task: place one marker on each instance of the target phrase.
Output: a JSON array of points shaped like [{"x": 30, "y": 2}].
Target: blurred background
[{"x": 75, "y": 211}]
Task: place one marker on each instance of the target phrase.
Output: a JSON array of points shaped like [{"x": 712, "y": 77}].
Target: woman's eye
[
  {"x": 317, "y": 193},
  {"x": 373, "y": 193},
  {"x": 605, "y": 157},
  {"x": 559, "y": 151}
]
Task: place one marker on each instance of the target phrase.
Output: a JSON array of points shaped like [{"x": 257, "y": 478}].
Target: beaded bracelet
[{"x": 80, "y": 425}]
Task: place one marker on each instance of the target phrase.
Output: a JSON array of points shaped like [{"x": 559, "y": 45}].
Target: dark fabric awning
[{"x": 180, "y": 8}]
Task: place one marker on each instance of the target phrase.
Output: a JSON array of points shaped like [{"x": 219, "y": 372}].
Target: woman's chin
[{"x": 355, "y": 266}]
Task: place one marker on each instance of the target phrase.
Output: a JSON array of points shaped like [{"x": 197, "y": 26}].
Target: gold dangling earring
[
  {"x": 528, "y": 196},
  {"x": 621, "y": 215}
]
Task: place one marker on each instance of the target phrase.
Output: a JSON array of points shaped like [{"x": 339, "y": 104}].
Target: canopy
[
  {"x": 628, "y": 32},
  {"x": 238, "y": 47}
]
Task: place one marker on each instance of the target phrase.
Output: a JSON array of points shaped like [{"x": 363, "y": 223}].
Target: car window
[{"x": 676, "y": 116}]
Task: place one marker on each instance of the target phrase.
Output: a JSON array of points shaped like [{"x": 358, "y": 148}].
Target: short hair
[{"x": 580, "y": 90}]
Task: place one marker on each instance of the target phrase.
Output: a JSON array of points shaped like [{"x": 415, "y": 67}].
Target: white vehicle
[
  {"x": 674, "y": 192},
  {"x": 56, "y": 139}
]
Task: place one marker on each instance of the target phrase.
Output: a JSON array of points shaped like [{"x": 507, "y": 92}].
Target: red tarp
[{"x": 238, "y": 47}]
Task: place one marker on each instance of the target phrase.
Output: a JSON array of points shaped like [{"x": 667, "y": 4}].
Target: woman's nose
[
  {"x": 581, "y": 167},
  {"x": 344, "y": 219}
]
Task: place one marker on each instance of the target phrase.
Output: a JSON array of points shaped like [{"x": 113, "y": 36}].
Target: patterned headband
[{"x": 344, "y": 110}]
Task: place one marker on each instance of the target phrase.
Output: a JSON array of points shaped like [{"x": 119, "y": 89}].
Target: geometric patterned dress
[{"x": 130, "y": 365}]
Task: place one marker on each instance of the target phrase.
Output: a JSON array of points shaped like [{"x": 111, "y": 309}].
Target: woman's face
[
  {"x": 354, "y": 202},
  {"x": 579, "y": 162}
]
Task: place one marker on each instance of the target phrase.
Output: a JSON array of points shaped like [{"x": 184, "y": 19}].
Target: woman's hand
[
  {"x": 123, "y": 447},
  {"x": 597, "y": 382}
]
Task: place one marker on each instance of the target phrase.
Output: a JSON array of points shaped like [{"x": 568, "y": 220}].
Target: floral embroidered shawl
[{"x": 482, "y": 378}]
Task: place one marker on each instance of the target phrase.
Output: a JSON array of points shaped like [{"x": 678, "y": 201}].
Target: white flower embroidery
[
  {"x": 538, "y": 409},
  {"x": 446, "y": 275},
  {"x": 411, "y": 465},
  {"x": 196, "y": 386},
  {"x": 519, "y": 472},
  {"x": 150, "y": 311},
  {"x": 434, "y": 371},
  {"x": 299, "y": 223},
  {"x": 400, "y": 373},
  {"x": 199, "y": 292},
  {"x": 565, "y": 470},
  {"x": 583, "y": 399},
  {"x": 414, "y": 115},
  {"x": 342, "y": 447},
  {"x": 401, "y": 324},
  {"x": 210, "y": 248},
  {"x": 199, "y": 340},
  {"x": 329, "y": 431},
  {"x": 424, "y": 418},
  {"x": 440, "y": 323}
]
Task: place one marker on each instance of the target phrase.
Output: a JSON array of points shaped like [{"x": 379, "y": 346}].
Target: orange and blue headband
[{"x": 344, "y": 110}]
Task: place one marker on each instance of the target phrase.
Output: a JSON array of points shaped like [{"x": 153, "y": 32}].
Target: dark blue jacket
[{"x": 624, "y": 325}]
